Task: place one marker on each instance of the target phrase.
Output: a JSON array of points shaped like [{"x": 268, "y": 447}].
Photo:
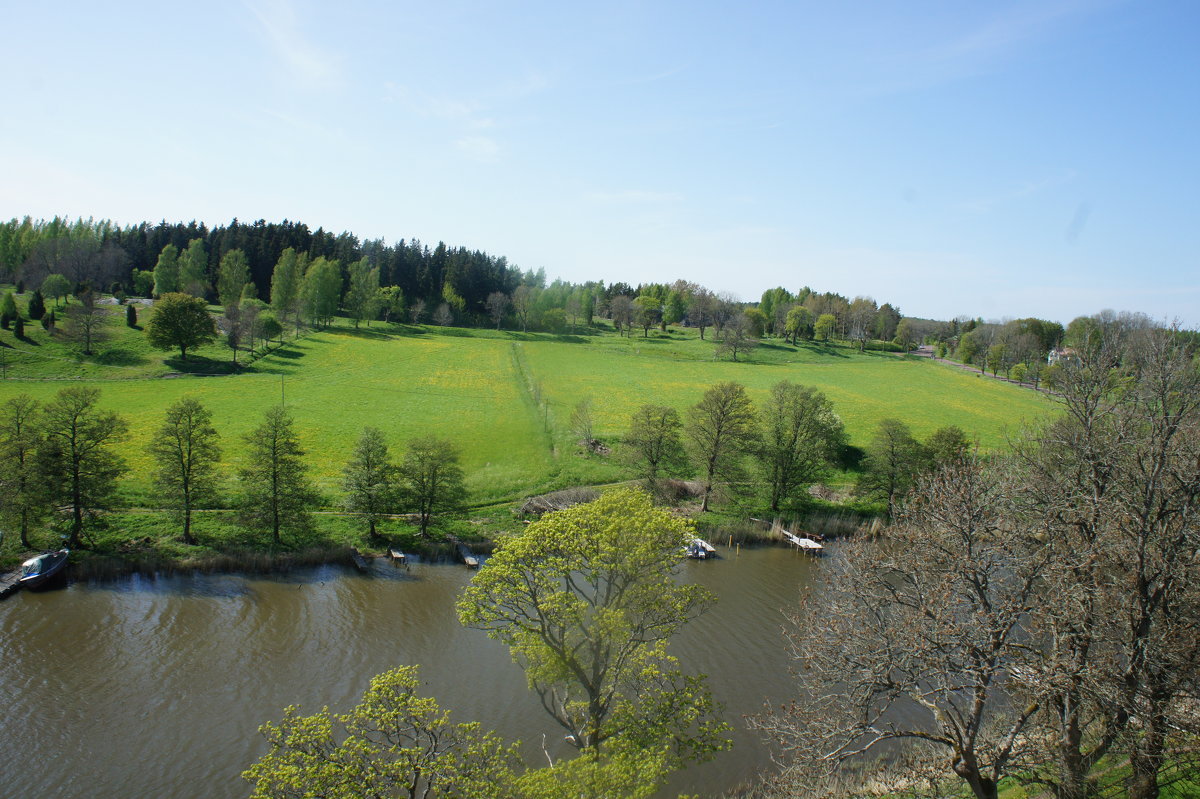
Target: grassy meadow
[{"x": 504, "y": 397}]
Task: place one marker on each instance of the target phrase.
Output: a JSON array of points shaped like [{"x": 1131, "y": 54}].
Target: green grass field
[{"x": 504, "y": 397}]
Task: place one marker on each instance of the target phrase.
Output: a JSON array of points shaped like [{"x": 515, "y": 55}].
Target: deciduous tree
[
  {"x": 586, "y": 598},
  {"x": 276, "y": 491},
  {"x": 370, "y": 480},
  {"x": 232, "y": 277},
  {"x": 75, "y": 458},
  {"x": 186, "y": 454},
  {"x": 654, "y": 443},
  {"x": 802, "y": 437},
  {"x": 431, "y": 479},
  {"x": 721, "y": 432},
  {"x": 22, "y": 493},
  {"x": 496, "y": 305},
  {"x": 180, "y": 321},
  {"x": 893, "y": 461}
]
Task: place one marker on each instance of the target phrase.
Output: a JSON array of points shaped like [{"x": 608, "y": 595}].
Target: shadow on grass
[
  {"x": 119, "y": 356},
  {"x": 362, "y": 332},
  {"x": 199, "y": 365}
]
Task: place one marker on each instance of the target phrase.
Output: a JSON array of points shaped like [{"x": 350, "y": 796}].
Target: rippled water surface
[{"x": 156, "y": 687}]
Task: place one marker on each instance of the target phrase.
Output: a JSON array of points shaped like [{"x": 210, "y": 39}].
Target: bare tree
[
  {"x": 496, "y": 305},
  {"x": 621, "y": 312},
  {"x": 416, "y": 312},
  {"x": 917, "y": 643},
  {"x": 737, "y": 338},
  {"x": 522, "y": 304},
  {"x": 443, "y": 316},
  {"x": 86, "y": 322},
  {"x": 700, "y": 312},
  {"x": 582, "y": 422}
]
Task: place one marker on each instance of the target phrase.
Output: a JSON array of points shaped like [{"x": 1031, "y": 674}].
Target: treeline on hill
[{"x": 312, "y": 275}]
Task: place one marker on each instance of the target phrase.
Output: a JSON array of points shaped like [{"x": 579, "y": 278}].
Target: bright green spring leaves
[{"x": 586, "y": 600}]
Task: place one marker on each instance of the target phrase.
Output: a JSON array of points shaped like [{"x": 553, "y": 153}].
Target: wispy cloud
[{"x": 304, "y": 60}]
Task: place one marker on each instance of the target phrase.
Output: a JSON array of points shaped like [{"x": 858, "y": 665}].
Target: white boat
[{"x": 699, "y": 549}]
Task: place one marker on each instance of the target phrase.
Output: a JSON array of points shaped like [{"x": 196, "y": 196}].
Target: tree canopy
[{"x": 181, "y": 322}]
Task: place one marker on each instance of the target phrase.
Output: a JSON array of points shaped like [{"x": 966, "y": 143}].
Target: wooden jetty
[
  {"x": 803, "y": 544},
  {"x": 10, "y": 583},
  {"x": 464, "y": 552},
  {"x": 360, "y": 561},
  {"x": 397, "y": 557}
]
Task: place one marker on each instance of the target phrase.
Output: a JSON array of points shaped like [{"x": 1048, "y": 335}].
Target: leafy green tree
[
  {"x": 180, "y": 321},
  {"x": 647, "y": 312},
  {"x": 75, "y": 458},
  {"x": 721, "y": 432},
  {"x": 322, "y": 291},
  {"x": 393, "y": 743},
  {"x": 947, "y": 446},
  {"x": 8, "y": 310},
  {"x": 193, "y": 269},
  {"x": 369, "y": 480},
  {"x": 738, "y": 336},
  {"x": 186, "y": 454},
  {"x": 799, "y": 323},
  {"x": 277, "y": 493},
  {"x": 674, "y": 309},
  {"x": 390, "y": 301},
  {"x": 802, "y": 437},
  {"x": 906, "y": 336},
  {"x": 825, "y": 326},
  {"x": 586, "y": 599},
  {"x": 362, "y": 298},
  {"x": 654, "y": 443},
  {"x": 756, "y": 322},
  {"x": 22, "y": 494},
  {"x": 166, "y": 271},
  {"x": 37, "y": 306},
  {"x": 56, "y": 286},
  {"x": 269, "y": 327},
  {"x": 286, "y": 281},
  {"x": 893, "y": 461},
  {"x": 232, "y": 277},
  {"x": 431, "y": 479},
  {"x": 143, "y": 283}
]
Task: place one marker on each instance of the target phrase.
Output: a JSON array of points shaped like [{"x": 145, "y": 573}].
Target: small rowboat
[{"x": 40, "y": 570}]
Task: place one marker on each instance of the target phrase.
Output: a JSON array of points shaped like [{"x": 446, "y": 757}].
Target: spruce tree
[
  {"x": 37, "y": 306},
  {"x": 131, "y": 315}
]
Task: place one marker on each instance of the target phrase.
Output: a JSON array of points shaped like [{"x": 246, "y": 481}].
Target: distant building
[{"x": 1063, "y": 355}]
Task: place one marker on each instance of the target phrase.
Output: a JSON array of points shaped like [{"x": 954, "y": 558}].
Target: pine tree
[
  {"x": 37, "y": 306},
  {"x": 131, "y": 315}
]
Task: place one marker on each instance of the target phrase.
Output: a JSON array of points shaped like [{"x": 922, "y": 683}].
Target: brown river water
[{"x": 156, "y": 687}]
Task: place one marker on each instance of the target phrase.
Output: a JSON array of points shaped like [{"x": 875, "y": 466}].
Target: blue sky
[{"x": 987, "y": 159}]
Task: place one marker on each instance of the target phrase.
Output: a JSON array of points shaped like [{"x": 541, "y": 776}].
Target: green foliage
[
  {"x": 166, "y": 271},
  {"x": 186, "y": 454},
  {"x": 22, "y": 494},
  {"x": 799, "y": 323},
  {"x": 721, "y": 432},
  {"x": 362, "y": 298},
  {"x": 19, "y": 327},
  {"x": 757, "y": 321},
  {"x": 276, "y": 492},
  {"x": 393, "y": 743},
  {"x": 431, "y": 479},
  {"x": 369, "y": 480},
  {"x": 321, "y": 291},
  {"x": 232, "y": 277},
  {"x": 37, "y": 306},
  {"x": 654, "y": 445},
  {"x": 131, "y": 319},
  {"x": 893, "y": 460},
  {"x": 825, "y": 327},
  {"x": 285, "y": 284},
  {"x": 193, "y": 269},
  {"x": 8, "y": 310},
  {"x": 143, "y": 283},
  {"x": 56, "y": 286},
  {"x": 180, "y": 321},
  {"x": 802, "y": 439},
  {"x": 586, "y": 599},
  {"x": 75, "y": 459}
]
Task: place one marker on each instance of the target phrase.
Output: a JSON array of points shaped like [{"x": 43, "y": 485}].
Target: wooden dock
[
  {"x": 397, "y": 556},
  {"x": 10, "y": 583}
]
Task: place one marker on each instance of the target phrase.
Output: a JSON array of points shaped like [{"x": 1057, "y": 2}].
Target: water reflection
[{"x": 156, "y": 686}]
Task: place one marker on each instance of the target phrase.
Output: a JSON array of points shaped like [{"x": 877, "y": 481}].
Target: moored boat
[
  {"x": 699, "y": 549},
  {"x": 40, "y": 570}
]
